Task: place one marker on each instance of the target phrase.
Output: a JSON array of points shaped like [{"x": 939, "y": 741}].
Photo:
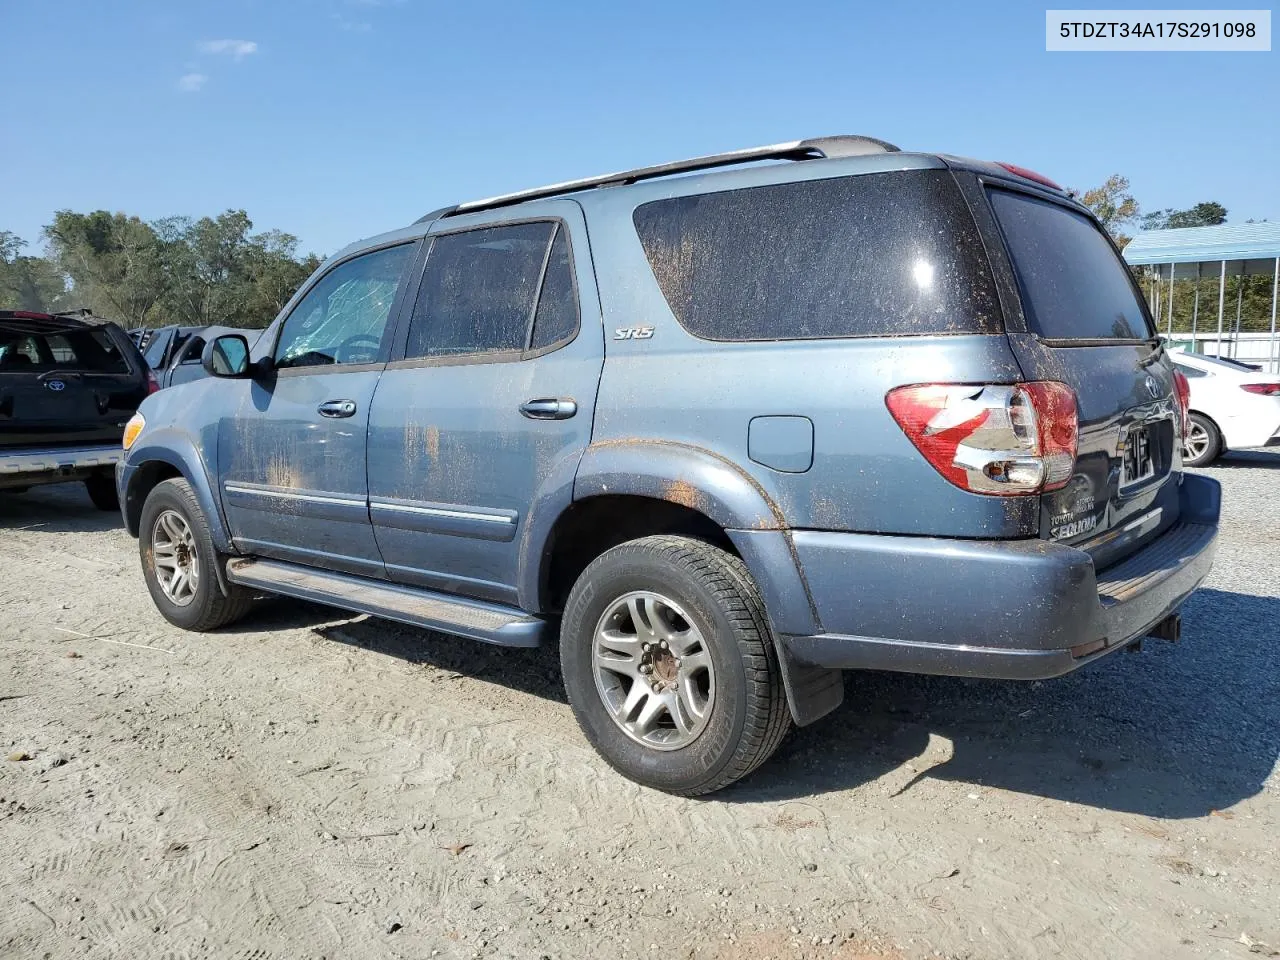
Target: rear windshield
[
  {"x": 86, "y": 351},
  {"x": 882, "y": 254},
  {"x": 1073, "y": 285}
]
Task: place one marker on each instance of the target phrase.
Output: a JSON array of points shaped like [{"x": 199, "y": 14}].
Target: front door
[
  {"x": 488, "y": 403},
  {"x": 292, "y": 452}
]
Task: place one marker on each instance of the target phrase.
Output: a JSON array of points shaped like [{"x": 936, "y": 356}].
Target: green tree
[
  {"x": 29, "y": 283},
  {"x": 115, "y": 261},
  {"x": 195, "y": 272},
  {"x": 1113, "y": 205},
  {"x": 1206, "y": 214}
]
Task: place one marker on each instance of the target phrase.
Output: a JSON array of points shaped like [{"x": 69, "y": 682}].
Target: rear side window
[
  {"x": 496, "y": 289},
  {"x": 556, "y": 319},
  {"x": 882, "y": 254},
  {"x": 1073, "y": 285}
]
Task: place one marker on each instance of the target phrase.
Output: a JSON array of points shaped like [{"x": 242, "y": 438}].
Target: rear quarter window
[
  {"x": 1073, "y": 285},
  {"x": 882, "y": 254}
]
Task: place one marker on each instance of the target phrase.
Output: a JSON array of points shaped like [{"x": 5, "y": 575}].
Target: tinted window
[
  {"x": 879, "y": 254},
  {"x": 556, "y": 318},
  {"x": 1073, "y": 285},
  {"x": 91, "y": 351},
  {"x": 192, "y": 350},
  {"x": 478, "y": 291},
  {"x": 1190, "y": 372},
  {"x": 155, "y": 349},
  {"x": 343, "y": 318}
]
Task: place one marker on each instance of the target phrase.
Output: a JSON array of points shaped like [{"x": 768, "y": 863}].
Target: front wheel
[
  {"x": 1203, "y": 442},
  {"x": 670, "y": 667},
  {"x": 179, "y": 561}
]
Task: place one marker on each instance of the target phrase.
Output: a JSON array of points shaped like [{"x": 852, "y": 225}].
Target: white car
[{"x": 1233, "y": 406}]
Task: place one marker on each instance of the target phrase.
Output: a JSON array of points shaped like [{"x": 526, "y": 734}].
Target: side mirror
[{"x": 226, "y": 356}]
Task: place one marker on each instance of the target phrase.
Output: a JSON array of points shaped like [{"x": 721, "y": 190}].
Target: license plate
[{"x": 1138, "y": 461}]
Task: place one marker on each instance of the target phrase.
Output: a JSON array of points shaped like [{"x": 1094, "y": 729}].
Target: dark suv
[
  {"x": 721, "y": 436},
  {"x": 68, "y": 385}
]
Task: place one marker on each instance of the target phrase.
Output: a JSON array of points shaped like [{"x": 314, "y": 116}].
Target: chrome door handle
[
  {"x": 549, "y": 408},
  {"x": 337, "y": 408}
]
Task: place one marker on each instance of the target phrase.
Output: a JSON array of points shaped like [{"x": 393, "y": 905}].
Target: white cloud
[
  {"x": 192, "y": 82},
  {"x": 237, "y": 49}
]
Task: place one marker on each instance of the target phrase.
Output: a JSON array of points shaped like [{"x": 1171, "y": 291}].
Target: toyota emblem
[
  {"x": 55, "y": 385},
  {"x": 1153, "y": 388}
]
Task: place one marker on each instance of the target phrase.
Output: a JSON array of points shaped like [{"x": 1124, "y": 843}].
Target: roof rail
[{"x": 818, "y": 148}]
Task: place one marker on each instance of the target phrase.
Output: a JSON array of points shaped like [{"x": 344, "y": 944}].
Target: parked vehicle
[
  {"x": 724, "y": 435},
  {"x": 67, "y": 388},
  {"x": 163, "y": 345},
  {"x": 184, "y": 364},
  {"x": 1234, "y": 406},
  {"x": 174, "y": 352}
]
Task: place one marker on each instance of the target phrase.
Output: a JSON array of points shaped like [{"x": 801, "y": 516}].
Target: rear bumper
[
  {"x": 49, "y": 464},
  {"x": 1011, "y": 609}
]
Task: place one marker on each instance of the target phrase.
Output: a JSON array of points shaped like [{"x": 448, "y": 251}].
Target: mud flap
[{"x": 812, "y": 692}]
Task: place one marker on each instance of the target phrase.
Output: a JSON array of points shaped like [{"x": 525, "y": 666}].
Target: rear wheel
[
  {"x": 180, "y": 562},
  {"x": 1203, "y": 442},
  {"x": 102, "y": 491},
  {"x": 670, "y": 667}
]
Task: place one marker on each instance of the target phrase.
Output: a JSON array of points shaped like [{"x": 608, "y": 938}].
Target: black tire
[
  {"x": 748, "y": 716},
  {"x": 102, "y": 491},
  {"x": 1212, "y": 450},
  {"x": 209, "y": 608}
]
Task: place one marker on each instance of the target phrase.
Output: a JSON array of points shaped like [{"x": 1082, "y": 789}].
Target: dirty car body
[{"x": 912, "y": 405}]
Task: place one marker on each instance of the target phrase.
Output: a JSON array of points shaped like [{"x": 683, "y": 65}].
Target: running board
[{"x": 488, "y": 622}]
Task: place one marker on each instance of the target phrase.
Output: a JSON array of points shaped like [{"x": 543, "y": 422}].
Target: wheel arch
[
  {"x": 629, "y": 489},
  {"x": 152, "y": 464}
]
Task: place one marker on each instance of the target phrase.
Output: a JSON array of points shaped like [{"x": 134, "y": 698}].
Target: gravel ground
[{"x": 307, "y": 784}]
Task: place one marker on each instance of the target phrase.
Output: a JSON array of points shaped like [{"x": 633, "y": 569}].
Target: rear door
[
  {"x": 1074, "y": 314},
  {"x": 488, "y": 407},
  {"x": 64, "y": 385}
]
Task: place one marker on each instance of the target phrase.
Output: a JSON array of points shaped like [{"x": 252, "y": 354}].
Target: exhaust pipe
[{"x": 1170, "y": 628}]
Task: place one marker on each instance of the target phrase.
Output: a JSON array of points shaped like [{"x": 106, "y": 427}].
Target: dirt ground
[{"x": 311, "y": 785}]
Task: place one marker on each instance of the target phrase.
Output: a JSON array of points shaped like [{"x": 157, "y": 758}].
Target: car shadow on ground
[
  {"x": 1235, "y": 459},
  {"x": 54, "y": 508},
  {"x": 1175, "y": 731}
]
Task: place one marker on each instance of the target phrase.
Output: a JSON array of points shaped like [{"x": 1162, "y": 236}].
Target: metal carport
[{"x": 1236, "y": 250}]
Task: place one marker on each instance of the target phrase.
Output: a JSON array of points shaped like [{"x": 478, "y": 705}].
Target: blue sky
[{"x": 335, "y": 119}]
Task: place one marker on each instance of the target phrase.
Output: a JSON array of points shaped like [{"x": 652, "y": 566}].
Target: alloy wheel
[
  {"x": 653, "y": 670},
  {"x": 174, "y": 556},
  {"x": 1195, "y": 443}
]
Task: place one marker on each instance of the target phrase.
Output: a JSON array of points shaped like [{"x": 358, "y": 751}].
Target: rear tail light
[
  {"x": 1262, "y": 389},
  {"x": 152, "y": 383},
  {"x": 1026, "y": 174},
  {"x": 1182, "y": 392},
  {"x": 1000, "y": 440}
]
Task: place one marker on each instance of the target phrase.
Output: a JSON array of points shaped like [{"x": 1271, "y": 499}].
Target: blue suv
[{"x": 722, "y": 429}]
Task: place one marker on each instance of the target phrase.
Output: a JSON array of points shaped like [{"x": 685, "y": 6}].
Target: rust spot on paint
[{"x": 683, "y": 493}]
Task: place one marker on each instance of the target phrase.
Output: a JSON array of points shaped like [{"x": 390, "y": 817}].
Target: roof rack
[{"x": 818, "y": 148}]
